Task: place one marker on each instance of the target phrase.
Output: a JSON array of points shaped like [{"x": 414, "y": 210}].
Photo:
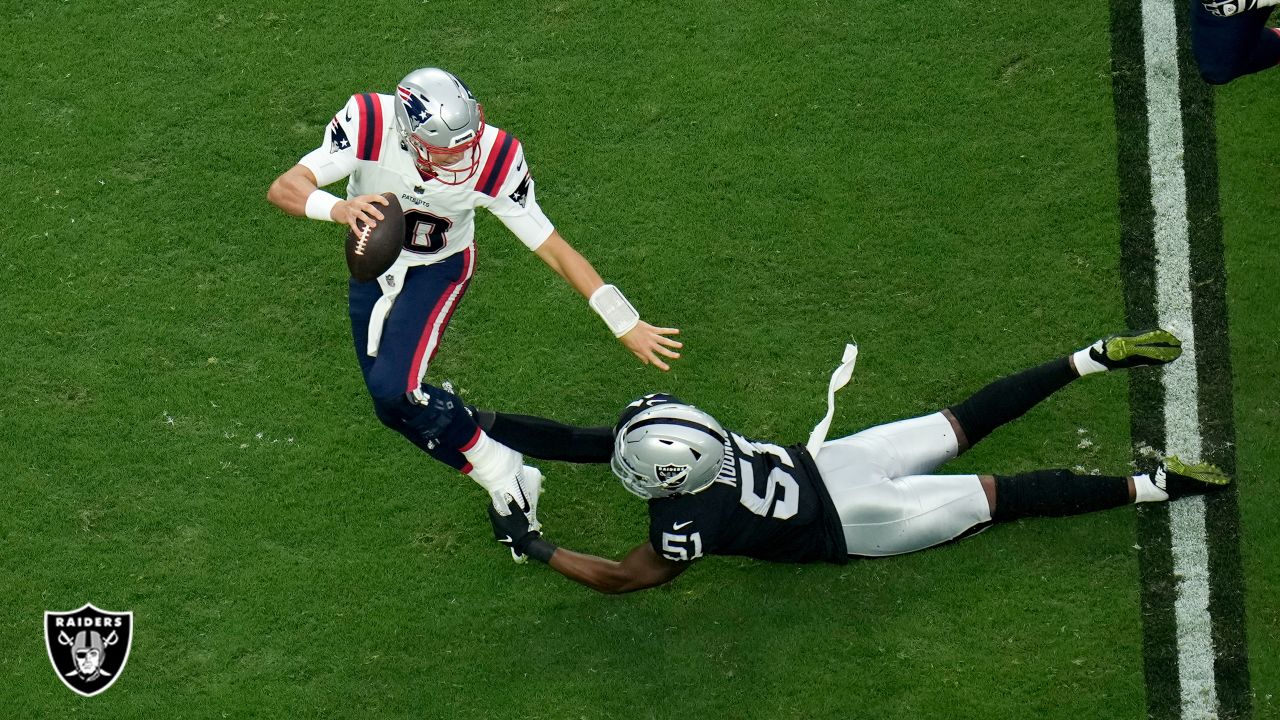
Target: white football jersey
[{"x": 363, "y": 144}]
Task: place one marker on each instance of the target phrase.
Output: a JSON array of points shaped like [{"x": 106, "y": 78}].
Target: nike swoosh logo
[
  {"x": 523, "y": 500},
  {"x": 519, "y": 165},
  {"x": 506, "y": 540},
  {"x": 677, "y": 526},
  {"x": 348, "y": 114}
]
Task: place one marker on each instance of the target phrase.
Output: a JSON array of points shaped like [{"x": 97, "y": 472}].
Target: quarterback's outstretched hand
[
  {"x": 360, "y": 208},
  {"x": 648, "y": 342}
]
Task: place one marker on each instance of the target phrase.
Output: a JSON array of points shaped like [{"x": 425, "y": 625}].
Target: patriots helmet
[
  {"x": 668, "y": 449},
  {"x": 436, "y": 114}
]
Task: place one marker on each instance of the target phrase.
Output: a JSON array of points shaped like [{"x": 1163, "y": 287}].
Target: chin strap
[{"x": 839, "y": 379}]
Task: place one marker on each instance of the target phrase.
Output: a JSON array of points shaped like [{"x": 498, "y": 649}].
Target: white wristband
[
  {"x": 320, "y": 205},
  {"x": 613, "y": 308}
]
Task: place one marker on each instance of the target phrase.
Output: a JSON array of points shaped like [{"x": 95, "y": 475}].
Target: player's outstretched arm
[
  {"x": 642, "y": 567},
  {"x": 645, "y": 341},
  {"x": 546, "y": 439}
]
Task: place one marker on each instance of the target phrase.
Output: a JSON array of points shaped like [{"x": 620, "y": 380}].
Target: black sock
[
  {"x": 1011, "y": 397},
  {"x": 547, "y": 439},
  {"x": 1055, "y": 493}
]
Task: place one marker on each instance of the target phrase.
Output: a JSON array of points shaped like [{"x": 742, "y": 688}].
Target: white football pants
[{"x": 886, "y": 502}]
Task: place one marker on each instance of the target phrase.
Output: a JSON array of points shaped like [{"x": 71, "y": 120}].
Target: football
[{"x": 372, "y": 251}]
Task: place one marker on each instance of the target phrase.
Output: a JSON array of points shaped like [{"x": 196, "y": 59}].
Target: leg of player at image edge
[
  {"x": 1231, "y": 39},
  {"x": 889, "y": 503}
]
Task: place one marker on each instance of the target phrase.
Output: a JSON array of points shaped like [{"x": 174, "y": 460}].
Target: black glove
[{"x": 512, "y": 530}]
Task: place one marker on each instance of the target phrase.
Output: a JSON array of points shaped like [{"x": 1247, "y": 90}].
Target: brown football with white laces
[{"x": 373, "y": 251}]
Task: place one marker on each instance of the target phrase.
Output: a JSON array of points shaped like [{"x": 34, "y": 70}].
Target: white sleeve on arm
[
  {"x": 336, "y": 156},
  {"x": 517, "y": 208}
]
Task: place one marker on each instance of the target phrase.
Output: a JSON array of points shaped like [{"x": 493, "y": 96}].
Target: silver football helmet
[
  {"x": 668, "y": 449},
  {"x": 436, "y": 114}
]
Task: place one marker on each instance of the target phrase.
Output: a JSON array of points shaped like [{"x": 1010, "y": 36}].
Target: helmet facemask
[{"x": 636, "y": 482}]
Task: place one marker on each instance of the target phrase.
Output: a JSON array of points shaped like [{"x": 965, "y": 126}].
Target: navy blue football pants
[
  {"x": 1228, "y": 47},
  {"x": 410, "y": 337}
]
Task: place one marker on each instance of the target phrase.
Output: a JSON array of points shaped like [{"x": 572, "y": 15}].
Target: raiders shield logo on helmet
[
  {"x": 671, "y": 475},
  {"x": 88, "y": 647}
]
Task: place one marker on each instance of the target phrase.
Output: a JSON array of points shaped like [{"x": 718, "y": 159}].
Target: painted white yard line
[{"x": 1181, "y": 399}]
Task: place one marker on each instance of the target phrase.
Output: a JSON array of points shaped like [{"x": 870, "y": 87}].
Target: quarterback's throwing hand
[
  {"x": 360, "y": 208},
  {"x": 648, "y": 342}
]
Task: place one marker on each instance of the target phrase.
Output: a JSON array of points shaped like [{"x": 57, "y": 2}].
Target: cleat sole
[
  {"x": 1203, "y": 472},
  {"x": 1158, "y": 345}
]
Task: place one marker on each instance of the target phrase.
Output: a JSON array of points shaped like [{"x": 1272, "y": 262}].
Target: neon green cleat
[
  {"x": 1178, "y": 478},
  {"x": 1137, "y": 349}
]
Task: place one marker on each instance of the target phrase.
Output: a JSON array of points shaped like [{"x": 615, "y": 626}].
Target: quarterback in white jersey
[
  {"x": 429, "y": 144},
  {"x": 362, "y": 144}
]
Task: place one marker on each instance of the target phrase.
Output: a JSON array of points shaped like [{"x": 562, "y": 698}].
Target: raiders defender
[
  {"x": 712, "y": 491},
  {"x": 429, "y": 143}
]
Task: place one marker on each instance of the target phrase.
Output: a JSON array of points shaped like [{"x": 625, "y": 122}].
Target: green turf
[
  {"x": 187, "y": 436},
  {"x": 1250, "y": 212}
]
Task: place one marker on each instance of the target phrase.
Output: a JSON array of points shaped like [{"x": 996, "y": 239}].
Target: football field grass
[{"x": 186, "y": 434}]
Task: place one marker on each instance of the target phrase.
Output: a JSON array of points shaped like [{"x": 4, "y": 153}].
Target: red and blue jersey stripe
[
  {"x": 498, "y": 164},
  {"x": 369, "y": 137}
]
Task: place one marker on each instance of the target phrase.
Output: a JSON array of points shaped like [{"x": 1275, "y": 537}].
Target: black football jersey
[{"x": 768, "y": 503}]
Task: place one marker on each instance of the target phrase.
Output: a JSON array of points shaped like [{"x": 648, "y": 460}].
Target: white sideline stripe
[{"x": 1181, "y": 403}]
